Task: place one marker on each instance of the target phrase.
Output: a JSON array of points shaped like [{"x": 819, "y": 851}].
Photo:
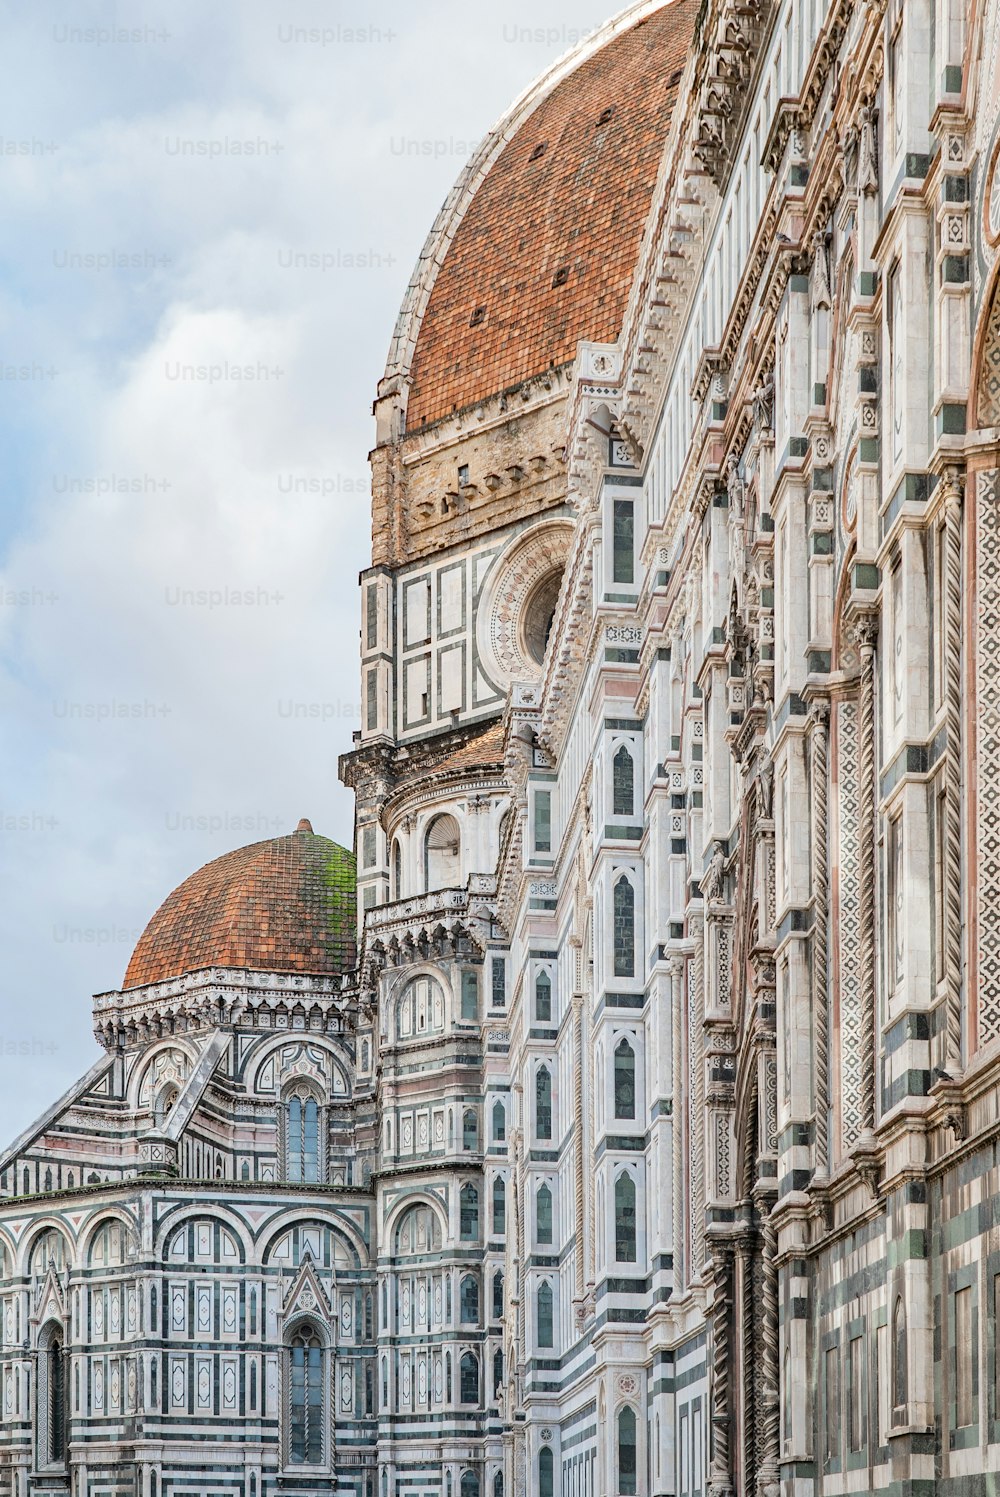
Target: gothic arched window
[
  {"x": 623, "y": 786},
  {"x": 56, "y": 1400},
  {"x": 305, "y": 1401},
  {"x": 627, "y": 1463},
  {"x": 625, "y": 1249},
  {"x": 469, "y": 1485},
  {"x": 470, "y": 1130},
  {"x": 543, "y": 1216},
  {"x": 302, "y": 1137},
  {"x": 624, "y": 928},
  {"x": 468, "y": 1378},
  {"x": 543, "y": 998},
  {"x": 498, "y": 1295},
  {"x": 543, "y": 1103},
  {"x": 498, "y": 1484},
  {"x": 899, "y": 1389},
  {"x": 468, "y": 1204},
  {"x": 397, "y": 870},
  {"x": 499, "y": 1123},
  {"x": 546, "y": 1472},
  {"x": 543, "y": 1310},
  {"x": 497, "y": 1372},
  {"x": 468, "y": 1299},
  {"x": 624, "y": 1080},
  {"x": 499, "y": 1206}
]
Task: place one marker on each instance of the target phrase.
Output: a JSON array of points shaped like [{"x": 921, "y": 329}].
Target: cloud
[{"x": 204, "y": 244}]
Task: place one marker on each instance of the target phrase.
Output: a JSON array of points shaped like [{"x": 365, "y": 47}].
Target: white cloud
[{"x": 103, "y": 817}]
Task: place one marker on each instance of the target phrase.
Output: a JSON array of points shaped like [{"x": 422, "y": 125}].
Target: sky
[{"x": 210, "y": 215}]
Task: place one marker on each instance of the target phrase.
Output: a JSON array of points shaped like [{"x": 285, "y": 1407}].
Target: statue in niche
[
  {"x": 822, "y": 292},
  {"x": 763, "y": 403},
  {"x": 735, "y": 486},
  {"x": 867, "y": 150}
]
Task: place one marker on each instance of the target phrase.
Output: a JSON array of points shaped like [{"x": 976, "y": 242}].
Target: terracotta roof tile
[
  {"x": 478, "y": 753},
  {"x": 286, "y": 905},
  {"x": 547, "y": 246}
]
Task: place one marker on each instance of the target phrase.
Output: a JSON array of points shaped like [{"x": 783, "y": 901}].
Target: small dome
[{"x": 285, "y": 905}]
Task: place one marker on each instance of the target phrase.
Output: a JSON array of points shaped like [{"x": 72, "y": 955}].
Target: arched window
[
  {"x": 468, "y": 1378},
  {"x": 420, "y": 1009},
  {"x": 468, "y": 1299},
  {"x": 625, "y": 1219},
  {"x": 899, "y": 1379},
  {"x": 469, "y": 1486},
  {"x": 499, "y": 1123},
  {"x": 499, "y": 1206},
  {"x": 49, "y": 1249},
  {"x": 543, "y": 1308},
  {"x": 543, "y": 1216},
  {"x": 498, "y": 1295},
  {"x": 108, "y": 1245},
  {"x": 627, "y": 1463},
  {"x": 498, "y": 1484},
  {"x": 623, "y": 776},
  {"x": 52, "y": 1397},
  {"x": 164, "y": 1104},
  {"x": 468, "y": 1212},
  {"x": 470, "y": 1130},
  {"x": 497, "y": 1372},
  {"x": 442, "y": 854},
  {"x": 302, "y": 1140},
  {"x": 543, "y": 1103},
  {"x": 306, "y": 1403},
  {"x": 546, "y": 1472},
  {"x": 543, "y": 998},
  {"x": 624, "y": 1080},
  {"x": 397, "y": 870},
  {"x": 624, "y": 928}
]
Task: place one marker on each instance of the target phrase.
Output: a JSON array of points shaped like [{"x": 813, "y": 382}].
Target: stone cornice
[
  {"x": 222, "y": 997},
  {"x": 442, "y": 924}
]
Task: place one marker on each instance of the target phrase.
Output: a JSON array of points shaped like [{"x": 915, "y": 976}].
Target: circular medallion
[{"x": 519, "y": 600}]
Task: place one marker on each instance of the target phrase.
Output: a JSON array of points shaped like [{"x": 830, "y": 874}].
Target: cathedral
[{"x": 621, "y": 1118}]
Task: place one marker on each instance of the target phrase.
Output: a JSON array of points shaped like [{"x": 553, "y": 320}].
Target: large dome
[
  {"x": 285, "y": 905},
  {"x": 539, "y": 245}
]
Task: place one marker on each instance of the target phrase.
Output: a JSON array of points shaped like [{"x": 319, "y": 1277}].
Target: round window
[{"x": 539, "y": 612}]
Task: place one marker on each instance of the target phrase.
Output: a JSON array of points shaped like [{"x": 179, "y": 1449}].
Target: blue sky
[{"x": 179, "y": 554}]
